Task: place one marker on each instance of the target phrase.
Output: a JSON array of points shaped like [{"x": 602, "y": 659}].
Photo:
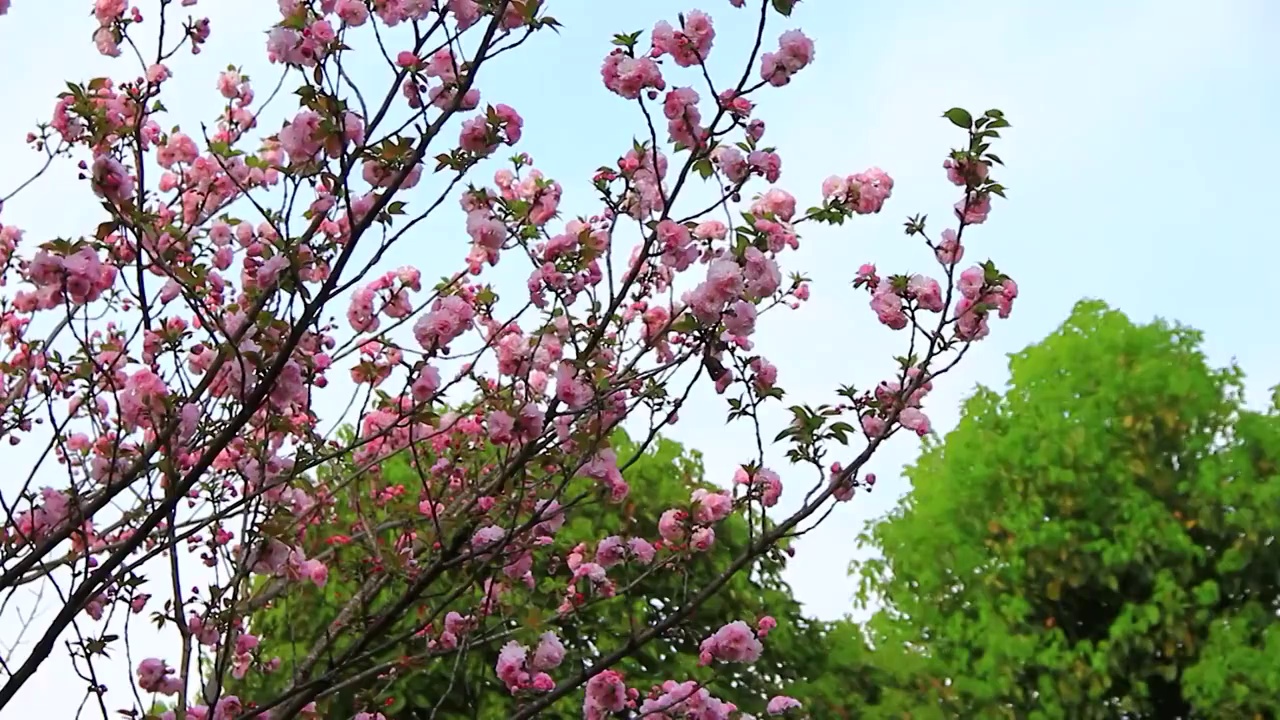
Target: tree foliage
[{"x": 1098, "y": 541}]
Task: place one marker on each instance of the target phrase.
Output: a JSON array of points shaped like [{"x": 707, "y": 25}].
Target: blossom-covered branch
[{"x": 175, "y": 372}]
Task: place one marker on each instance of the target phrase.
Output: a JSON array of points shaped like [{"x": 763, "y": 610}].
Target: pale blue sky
[{"x": 1141, "y": 165}]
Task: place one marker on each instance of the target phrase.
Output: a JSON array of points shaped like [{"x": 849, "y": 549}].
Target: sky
[{"x": 1141, "y": 169}]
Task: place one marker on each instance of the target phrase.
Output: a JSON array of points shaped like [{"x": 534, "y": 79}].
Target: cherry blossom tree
[{"x": 174, "y": 365}]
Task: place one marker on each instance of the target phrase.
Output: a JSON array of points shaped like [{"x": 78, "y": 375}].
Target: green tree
[
  {"x": 1099, "y": 541},
  {"x": 845, "y": 677},
  {"x": 661, "y": 476}
]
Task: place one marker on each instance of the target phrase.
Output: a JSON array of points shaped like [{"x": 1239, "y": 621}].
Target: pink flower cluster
[
  {"x": 683, "y": 119},
  {"x": 688, "y": 699},
  {"x": 482, "y": 134},
  {"x": 628, "y": 76},
  {"x": 569, "y": 262},
  {"x": 889, "y": 396},
  {"x": 645, "y": 171},
  {"x": 795, "y": 51},
  {"x": 34, "y": 525},
  {"x": 78, "y": 278},
  {"x": 982, "y": 293},
  {"x": 388, "y": 295},
  {"x": 893, "y": 299},
  {"x": 303, "y": 140},
  {"x": 949, "y": 251},
  {"x": 781, "y": 704},
  {"x": 973, "y": 210},
  {"x": 277, "y": 558},
  {"x": 539, "y": 195},
  {"x": 142, "y": 403},
  {"x": 762, "y": 484},
  {"x": 603, "y": 467},
  {"x": 111, "y": 180},
  {"x": 863, "y": 193},
  {"x": 305, "y": 47},
  {"x": 442, "y": 66},
  {"x": 521, "y": 671},
  {"x": 966, "y": 172},
  {"x": 687, "y": 46},
  {"x": 724, "y": 284},
  {"x": 606, "y": 694},
  {"x": 157, "y": 677},
  {"x": 738, "y": 168},
  {"x": 677, "y": 525},
  {"x": 449, "y": 317},
  {"x": 614, "y": 550},
  {"x": 109, "y": 13},
  {"x": 735, "y": 642},
  {"x": 230, "y": 707}
]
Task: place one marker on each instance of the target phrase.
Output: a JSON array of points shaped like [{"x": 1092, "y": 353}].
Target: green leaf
[{"x": 959, "y": 117}]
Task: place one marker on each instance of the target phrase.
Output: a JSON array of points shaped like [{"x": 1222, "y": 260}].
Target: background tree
[
  {"x": 1098, "y": 541},
  {"x": 846, "y": 677}
]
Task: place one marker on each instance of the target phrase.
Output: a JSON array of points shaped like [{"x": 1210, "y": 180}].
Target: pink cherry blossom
[
  {"x": 888, "y": 306},
  {"x": 734, "y": 642},
  {"x": 795, "y": 51},
  {"x": 549, "y": 653},
  {"x": 155, "y": 676},
  {"x": 781, "y": 703},
  {"x": 671, "y": 525},
  {"x": 974, "y": 210},
  {"x": 702, "y": 539},
  {"x": 765, "y": 624},
  {"x": 511, "y": 665},
  {"x": 606, "y": 693},
  {"x": 689, "y": 45},
  {"x": 712, "y": 507},
  {"x": 927, "y": 292},
  {"x": 642, "y": 550},
  {"x": 450, "y": 316},
  {"x": 949, "y": 251},
  {"x": 777, "y": 202},
  {"x": 971, "y": 282},
  {"x": 628, "y": 76}
]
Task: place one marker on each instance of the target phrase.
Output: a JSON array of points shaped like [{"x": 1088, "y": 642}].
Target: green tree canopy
[
  {"x": 661, "y": 476},
  {"x": 1099, "y": 541}
]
